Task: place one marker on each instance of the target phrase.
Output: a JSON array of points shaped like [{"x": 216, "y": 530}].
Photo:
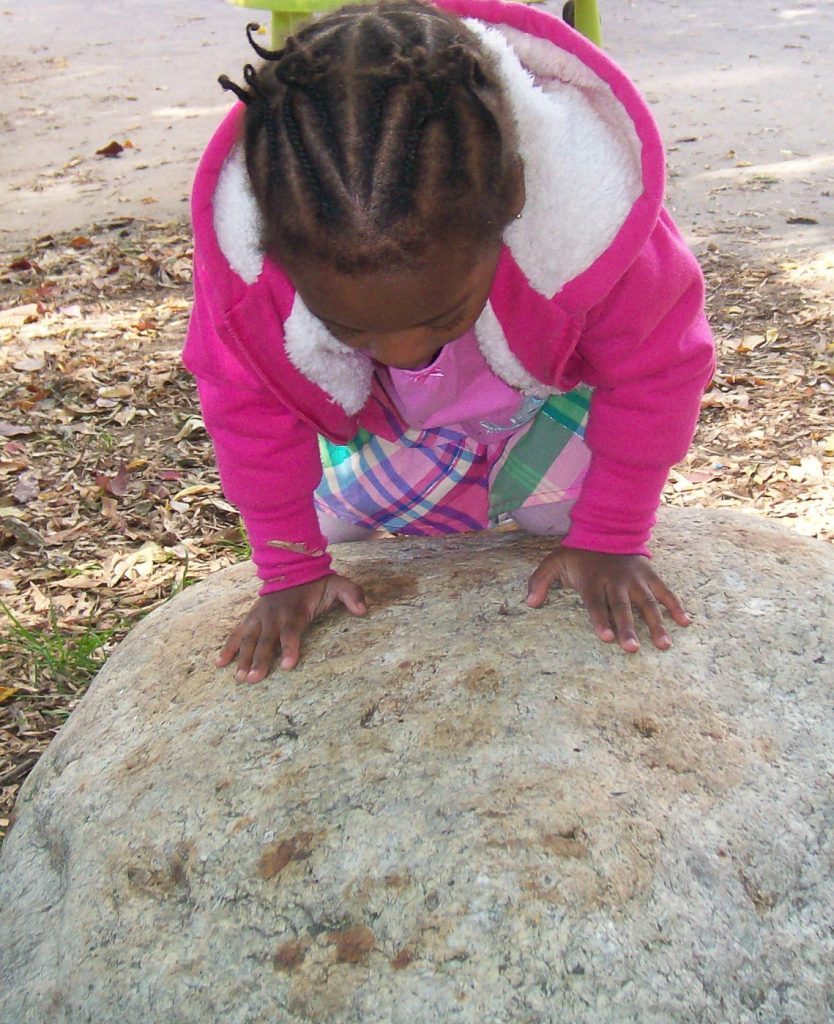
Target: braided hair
[{"x": 373, "y": 132}]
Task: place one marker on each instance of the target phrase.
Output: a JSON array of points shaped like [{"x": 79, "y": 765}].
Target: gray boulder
[{"x": 458, "y": 809}]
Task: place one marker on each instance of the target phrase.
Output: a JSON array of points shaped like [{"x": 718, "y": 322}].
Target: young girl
[{"x": 435, "y": 284}]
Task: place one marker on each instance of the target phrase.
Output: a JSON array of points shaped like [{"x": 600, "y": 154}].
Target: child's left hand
[{"x": 610, "y": 586}]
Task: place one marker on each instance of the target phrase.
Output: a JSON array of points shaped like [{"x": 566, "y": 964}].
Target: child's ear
[{"x": 517, "y": 189}]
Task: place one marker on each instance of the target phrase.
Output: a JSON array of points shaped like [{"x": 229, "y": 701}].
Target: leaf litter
[
  {"x": 110, "y": 502},
  {"x": 109, "y": 499}
]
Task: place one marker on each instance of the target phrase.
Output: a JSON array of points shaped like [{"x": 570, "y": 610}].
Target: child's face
[{"x": 401, "y": 318}]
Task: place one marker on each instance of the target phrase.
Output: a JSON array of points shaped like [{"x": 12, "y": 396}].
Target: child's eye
[{"x": 342, "y": 334}]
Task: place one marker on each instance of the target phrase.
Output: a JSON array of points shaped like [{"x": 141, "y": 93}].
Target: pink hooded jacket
[{"x": 594, "y": 284}]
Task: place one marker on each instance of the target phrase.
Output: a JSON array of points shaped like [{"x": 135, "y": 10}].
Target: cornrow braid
[{"x": 374, "y": 131}]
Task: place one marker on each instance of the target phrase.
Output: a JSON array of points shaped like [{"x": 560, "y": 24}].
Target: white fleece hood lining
[
  {"x": 341, "y": 372},
  {"x": 582, "y": 175}
]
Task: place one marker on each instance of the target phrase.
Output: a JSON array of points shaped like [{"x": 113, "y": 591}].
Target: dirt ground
[{"x": 109, "y": 503}]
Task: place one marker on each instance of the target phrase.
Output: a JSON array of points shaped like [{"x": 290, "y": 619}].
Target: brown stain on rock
[
  {"x": 164, "y": 874},
  {"x": 396, "y": 881},
  {"x": 767, "y": 747},
  {"x": 461, "y": 731},
  {"x": 763, "y": 901},
  {"x": 352, "y": 944},
  {"x": 141, "y": 760},
  {"x": 565, "y": 846},
  {"x": 690, "y": 743},
  {"x": 403, "y": 958},
  {"x": 578, "y": 887},
  {"x": 389, "y": 708},
  {"x": 239, "y": 823},
  {"x": 289, "y": 955},
  {"x": 561, "y": 845},
  {"x": 276, "y": 857},
  {"x": 479, "y": 679},
  {"x": 389, "y": 588},
  {"x": 646, "y": 726}
]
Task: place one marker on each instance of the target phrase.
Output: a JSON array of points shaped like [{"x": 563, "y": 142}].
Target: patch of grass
[
  {"x": 237, "y": 544},
  {"x": 106, "y": 441},
  {"x": 182, "y": 579},
  {"x": 67, "y": 661},
  {"x": 84, "y": 569}
]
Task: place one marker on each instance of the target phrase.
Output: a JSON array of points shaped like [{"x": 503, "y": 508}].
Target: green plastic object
[
  {"x": 587, "y": 21},
  {"x": 286, "y": 14}
]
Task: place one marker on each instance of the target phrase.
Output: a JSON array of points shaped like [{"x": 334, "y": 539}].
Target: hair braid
[
  {"x": 294, "y": 136},
  {"x": 389, "y": 121}
]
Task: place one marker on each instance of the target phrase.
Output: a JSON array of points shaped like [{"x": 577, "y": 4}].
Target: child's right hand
[{"x": 277, "y": 621}]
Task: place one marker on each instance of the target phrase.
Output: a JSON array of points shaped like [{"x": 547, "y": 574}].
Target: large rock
[{"x": 456, "y": 810}]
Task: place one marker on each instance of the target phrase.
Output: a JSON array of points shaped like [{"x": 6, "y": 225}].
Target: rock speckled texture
[{"x": 457, "y": 810}]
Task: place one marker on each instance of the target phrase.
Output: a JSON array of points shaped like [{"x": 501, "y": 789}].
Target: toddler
[{"x": 435, "y": 285}]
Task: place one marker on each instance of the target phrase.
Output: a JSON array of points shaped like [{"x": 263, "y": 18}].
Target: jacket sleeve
[
  {"x": 648, "y": 352},
  {"x": 268, "y": 458}
]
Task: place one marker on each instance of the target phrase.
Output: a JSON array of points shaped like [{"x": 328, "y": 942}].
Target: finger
[
  {"x": 263, "y": 657},
  {"x": 291, "y": 632},
  {"x": 653, "y": 617},
  {"x": 541, "y": 581},
  {"x": 620, "y": 604},
  {"x": 248, "y": 643},
  {"x": 352, "y": 597},
  {"x": 596, "y": 606},
  {"x": 670, "y": 601},
  {"x": 230, "y": 648}
]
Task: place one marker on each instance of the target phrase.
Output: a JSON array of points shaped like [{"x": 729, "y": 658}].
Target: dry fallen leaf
[
  {"x": 29, "y": 364},
  {"x": 26, "y": 488},
  {"x": 17, "y": 316},
  {"x": 112, "y": 149},
  {"x": 22, "y": 533},
  {"x": 14, "y": 430},
  {"x": 189, "y": 492},
  {"x": 115, "y": 485},
  {"x": 81, "y": 583},
  {"x": 192, "y": 425},
  {"x": 137, "y": 563},
  {"x": 40, "y": 601},
  {"x": 809, "y": 468},
  {"x": 116, "y": 391},
  {"x": 297, "y": 548}
]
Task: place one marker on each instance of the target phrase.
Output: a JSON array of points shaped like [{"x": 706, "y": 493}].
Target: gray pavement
[{"x": 739, "y": 91}]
